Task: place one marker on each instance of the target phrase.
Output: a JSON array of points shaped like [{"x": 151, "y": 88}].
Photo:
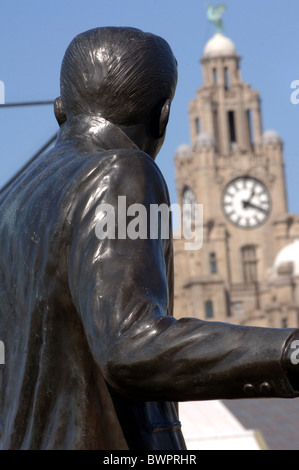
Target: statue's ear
[
  {"x": 59, "y": 111},
  {"x": 160, "y": 118},
  {"x": 164, "y": 117}
]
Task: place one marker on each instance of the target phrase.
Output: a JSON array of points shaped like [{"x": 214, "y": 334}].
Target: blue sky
[{"x": 35, "y": 33}]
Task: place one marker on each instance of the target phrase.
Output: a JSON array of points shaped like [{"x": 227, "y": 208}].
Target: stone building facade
[{"x": 247, "y": 270}]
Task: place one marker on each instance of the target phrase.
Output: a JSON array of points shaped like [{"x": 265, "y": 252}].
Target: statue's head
[{"x": 122, "y": 74}]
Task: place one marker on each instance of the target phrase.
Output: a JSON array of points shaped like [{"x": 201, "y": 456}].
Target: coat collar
[{"x": 92, "y": 133}]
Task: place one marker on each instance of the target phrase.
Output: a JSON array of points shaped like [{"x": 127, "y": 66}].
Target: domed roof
[
  {"x": 219, "y": 46},
  {"x": 271, "y": 137},
  {"x": 287, "y": 255},
  {"x": 183, "y": 151},
  {"x": 204, "y": 140}
]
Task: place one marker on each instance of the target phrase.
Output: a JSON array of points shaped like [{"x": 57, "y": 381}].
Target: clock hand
[
  {"x": 251, "y": 195},
  {"x": 247, "y": 204}
]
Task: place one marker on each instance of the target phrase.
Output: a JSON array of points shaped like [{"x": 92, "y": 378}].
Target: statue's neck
[{"x": 94, "y": 132}]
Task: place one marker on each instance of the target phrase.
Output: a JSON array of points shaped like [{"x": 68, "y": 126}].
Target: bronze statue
[{"x": 93, "y": 357}]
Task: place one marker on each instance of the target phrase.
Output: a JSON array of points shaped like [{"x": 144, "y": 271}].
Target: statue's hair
[{"x": 120, "y": 73}]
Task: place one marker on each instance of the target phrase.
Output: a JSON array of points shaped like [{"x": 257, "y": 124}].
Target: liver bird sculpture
[{"x": 215, "y": 14}]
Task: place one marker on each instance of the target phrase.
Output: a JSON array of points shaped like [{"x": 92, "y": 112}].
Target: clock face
[
  {"x": 189, "y": 201},
  {"x": 246, "y": 202}
]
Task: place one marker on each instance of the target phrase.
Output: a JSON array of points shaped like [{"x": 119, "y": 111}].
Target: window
[
  {"x": 231, "y": 126},
  {"x": 250, "y": 126},
  {"x": 197, "y": 125},
  {"x": 215, "y": 124},
  {"x": 209, "y": 313},
  {"x": 226, "y": 78},
  {"x": 213, "y": 263},
  {"x": 215, "y": 76},
  {"x": 249, "y": 263}
]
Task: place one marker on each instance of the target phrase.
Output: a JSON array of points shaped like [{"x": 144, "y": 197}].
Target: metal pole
[
  {"x": 28, "y": 103},
  {"x": 35, "y": 156}
]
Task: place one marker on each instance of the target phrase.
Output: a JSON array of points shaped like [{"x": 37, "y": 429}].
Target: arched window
[
  {"x": 232, "y": 127},
  {"x": 209, "y": 312},
  {"x": 213, "y": 263}
]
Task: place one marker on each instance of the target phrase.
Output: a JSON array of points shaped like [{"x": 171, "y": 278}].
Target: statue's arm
[{"x": 120, "y": 290}]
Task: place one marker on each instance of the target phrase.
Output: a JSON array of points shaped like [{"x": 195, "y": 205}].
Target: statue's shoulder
[
  {"x": 121, "y": 171},
  {"x": 134, "y": 161},
  {"x": 132, "y": 155},
  {"x": 117, "y": 171},
  {"x": 135, "y": 171}
]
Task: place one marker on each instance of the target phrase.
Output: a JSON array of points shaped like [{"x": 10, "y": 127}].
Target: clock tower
[{"x": 236, "y": 171}]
